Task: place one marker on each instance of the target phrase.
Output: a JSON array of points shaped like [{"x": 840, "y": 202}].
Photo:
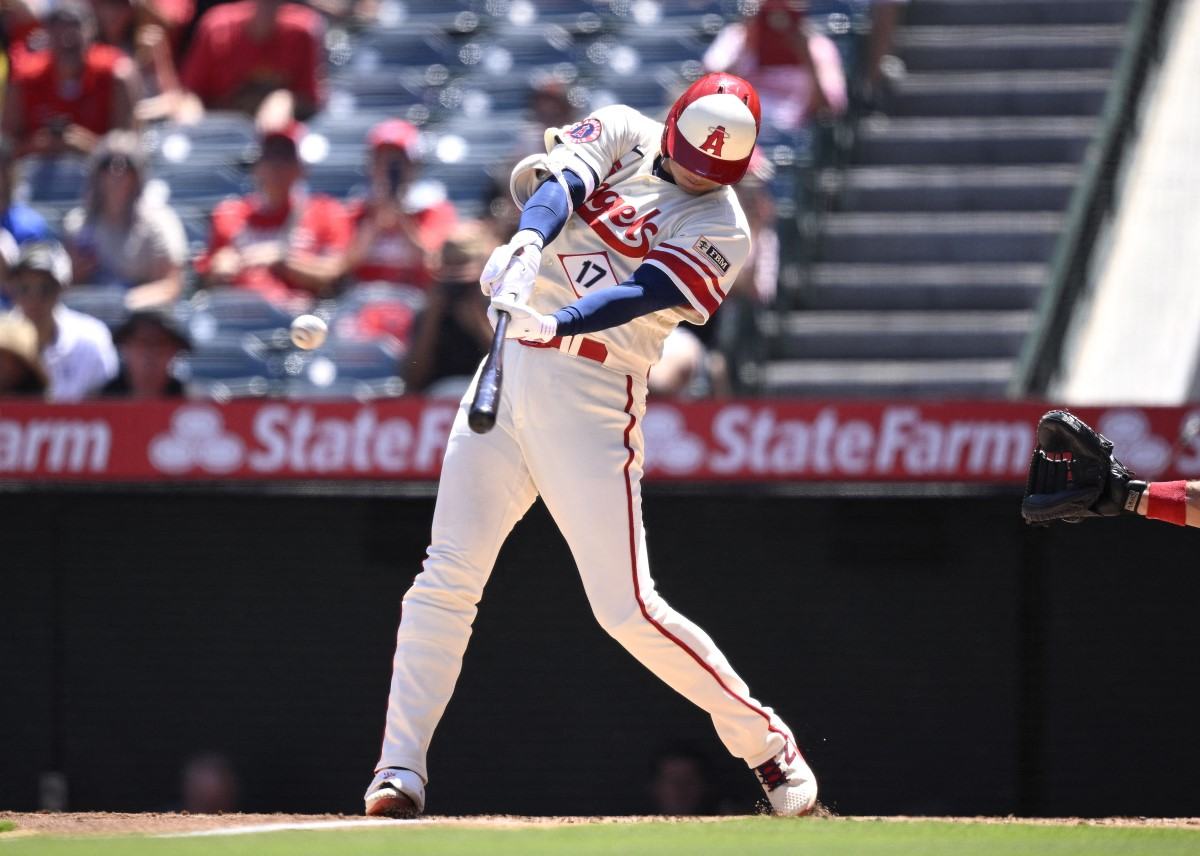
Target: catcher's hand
[{"x": 1074, "y": 475}]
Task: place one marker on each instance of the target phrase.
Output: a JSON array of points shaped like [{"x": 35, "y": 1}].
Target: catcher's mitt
[{"x": 1073, "y": 474}]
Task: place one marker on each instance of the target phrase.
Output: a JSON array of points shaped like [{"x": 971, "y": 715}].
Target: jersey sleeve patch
[
  {"x": 587, "y": 131},
  {"x": 706, "y": 248}
]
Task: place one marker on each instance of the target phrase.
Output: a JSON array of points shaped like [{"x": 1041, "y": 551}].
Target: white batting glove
[
  {"x": 512, "y": 267},
  {"x": 524, "y": 322}
]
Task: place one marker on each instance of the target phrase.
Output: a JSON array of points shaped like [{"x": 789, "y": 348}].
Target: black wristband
[{"x": 1133, "y": 495}]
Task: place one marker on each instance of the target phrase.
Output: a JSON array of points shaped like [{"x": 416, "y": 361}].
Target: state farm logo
[
  {"x": 197, "y": 440},
  {"x": 669, "y": 445},
  {"x": 1134, "y": 443},
  {"x": 284, "y": 439}
]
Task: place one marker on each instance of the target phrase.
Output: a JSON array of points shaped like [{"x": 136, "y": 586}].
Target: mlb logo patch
[
  {"x": 585, "y": 131},
  {"x": 705, "y": 246}
]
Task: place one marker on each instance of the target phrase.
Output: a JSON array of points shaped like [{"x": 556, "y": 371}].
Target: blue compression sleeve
[
  {"x": 548, "y": 208},
  {"x": 652, "y": 291}
]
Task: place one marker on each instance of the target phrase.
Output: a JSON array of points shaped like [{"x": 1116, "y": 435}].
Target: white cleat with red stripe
[{"x": 788, "y": 782}]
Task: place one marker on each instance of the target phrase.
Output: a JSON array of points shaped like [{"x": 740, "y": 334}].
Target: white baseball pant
[{"x": 569, "y": 429}]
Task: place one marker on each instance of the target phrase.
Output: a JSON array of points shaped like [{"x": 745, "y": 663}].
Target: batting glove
[
  {"x": 524, "y": 322},
  {"x": 513, "y": 267}
]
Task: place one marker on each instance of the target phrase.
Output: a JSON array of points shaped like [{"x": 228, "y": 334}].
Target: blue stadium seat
[
  {"x": 236, "y": 309},
  {"x": 228, "y": 356},
  {"x": 337, "y": 179},
  {"x": 216, "y": 138},
  {"x": 394, "y": 48},
  {"x": 200, "y": 184},
  {"x": 53, "y": 180},
  {"x": 364, "y": 360},
  {"x": 106, "y": 302}
]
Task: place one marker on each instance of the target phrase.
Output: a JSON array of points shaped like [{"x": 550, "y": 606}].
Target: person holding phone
[{"x": 400, "y": 226}]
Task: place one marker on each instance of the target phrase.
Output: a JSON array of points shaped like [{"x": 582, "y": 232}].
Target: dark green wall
[{"x": 933, "y": 655}]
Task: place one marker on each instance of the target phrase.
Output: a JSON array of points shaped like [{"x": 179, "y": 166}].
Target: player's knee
[
  {"x": 451, "y": 591},
  {"x": 620, "y": 621}
]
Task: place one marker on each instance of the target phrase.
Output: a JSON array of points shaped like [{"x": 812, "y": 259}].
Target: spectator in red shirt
[
  {"x": 243, "y": 52},
  {"x": 279, "y": 241},
  {"x": 67, "y": 97},
  {"x": 401, "y": 225}
]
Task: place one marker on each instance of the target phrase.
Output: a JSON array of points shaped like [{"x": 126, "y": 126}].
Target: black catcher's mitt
[{"x": 1074, "y": 475}]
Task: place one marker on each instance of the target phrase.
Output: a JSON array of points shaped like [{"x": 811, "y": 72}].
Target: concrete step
[
  {"x": 1000, "y": 93},
  {"x": 986, "y": 379},
  {"x": 952, "y": 188},
  {"x": 958, "y": 237},
  {"x": 992, "y": 12},
  {"x": 898, "y": 335},
  {"x": 973, "y": 140},
  {"x": 1009, "y": 47},
  {"x": 924, "y": 286}
]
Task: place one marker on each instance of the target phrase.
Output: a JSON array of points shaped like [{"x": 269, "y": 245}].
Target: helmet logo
[{"x": 716, "y": 140}]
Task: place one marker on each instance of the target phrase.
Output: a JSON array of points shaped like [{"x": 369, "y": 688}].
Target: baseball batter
[{"x": 628, "y": 227}]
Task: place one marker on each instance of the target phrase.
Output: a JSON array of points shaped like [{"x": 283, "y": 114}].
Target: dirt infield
[{"x": 114, "y": 823}]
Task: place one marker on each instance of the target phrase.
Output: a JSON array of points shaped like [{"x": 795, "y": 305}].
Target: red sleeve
[{"x": 195, "y": 77}]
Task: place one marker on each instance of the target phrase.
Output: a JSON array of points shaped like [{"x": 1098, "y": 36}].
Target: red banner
[{"x": 404, "y": 439}]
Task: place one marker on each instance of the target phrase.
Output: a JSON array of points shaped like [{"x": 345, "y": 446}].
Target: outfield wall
[{"x": 933, "y": 654}]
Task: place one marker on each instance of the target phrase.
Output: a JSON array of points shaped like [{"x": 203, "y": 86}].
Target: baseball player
[
  {"x": 1074, "y": 474},
  {"x": 628, "y": 227}
]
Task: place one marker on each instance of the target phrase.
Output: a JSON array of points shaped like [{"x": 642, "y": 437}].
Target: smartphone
[{"x": 395, "y": 176}]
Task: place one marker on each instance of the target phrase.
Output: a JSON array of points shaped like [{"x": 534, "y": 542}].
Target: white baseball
[{"x": 308, "y": 332}]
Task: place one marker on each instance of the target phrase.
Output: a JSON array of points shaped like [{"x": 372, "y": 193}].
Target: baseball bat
[{"x": 482, "y": 415}]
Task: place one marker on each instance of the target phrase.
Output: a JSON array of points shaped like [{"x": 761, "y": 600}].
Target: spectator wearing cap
[
  {"x": 453, "y": 332},
  {"x": 403, "y": 222},
  {"x": 21, "y": 370},
  {"x": 76, "y": 349},
  {"x": 122, "y": 235},
  {"x": 65, "y": 98},
  {"x": 245, "y": 51},
  {"x": 148, "y": 341},
  {"x": 280, "y": 240}
]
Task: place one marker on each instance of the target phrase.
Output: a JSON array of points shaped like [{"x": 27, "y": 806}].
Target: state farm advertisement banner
[{"x": 404, "y": 439}]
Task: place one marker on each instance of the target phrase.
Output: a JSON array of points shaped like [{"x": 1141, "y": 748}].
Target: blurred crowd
[{"x": 84, "y": 80}]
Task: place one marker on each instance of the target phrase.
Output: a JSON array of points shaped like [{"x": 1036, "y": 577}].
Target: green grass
[
  {"x": 7, "y": 826},
  {"x": 750, "y": 837}
]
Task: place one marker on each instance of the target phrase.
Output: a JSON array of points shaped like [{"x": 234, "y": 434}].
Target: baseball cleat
[
  {"x": 395, "y": 792},
  {"x": 789, "y": 783}
]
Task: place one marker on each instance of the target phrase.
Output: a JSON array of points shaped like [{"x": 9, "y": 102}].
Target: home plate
[{"x": 256, "y": 828}]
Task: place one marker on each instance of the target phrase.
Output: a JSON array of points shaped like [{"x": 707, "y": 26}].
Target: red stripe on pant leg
[{"x": 637, "y": 592}]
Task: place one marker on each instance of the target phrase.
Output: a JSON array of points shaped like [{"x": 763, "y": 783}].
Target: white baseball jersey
[{"x": 631, "y": 217}]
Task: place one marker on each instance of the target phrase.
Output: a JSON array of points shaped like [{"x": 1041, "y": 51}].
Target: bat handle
[{"x": 482, "y": 416}]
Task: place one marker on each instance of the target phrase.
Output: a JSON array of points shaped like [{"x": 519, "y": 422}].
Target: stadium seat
[
  {"x": 228, "y": 356},
  {"x": 53, "y": 180},
  {"x": 106, "y": 302},
  {"x": 394, "y": 48},
  {"x": 217, "y": 137},
  {"x": 235, "y": 309}
]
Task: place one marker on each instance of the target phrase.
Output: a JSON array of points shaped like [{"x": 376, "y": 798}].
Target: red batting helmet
[{"x": 712, "y": 128}]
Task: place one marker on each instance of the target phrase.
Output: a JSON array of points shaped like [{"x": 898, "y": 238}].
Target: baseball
[{"x": 308, "y": 332}]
